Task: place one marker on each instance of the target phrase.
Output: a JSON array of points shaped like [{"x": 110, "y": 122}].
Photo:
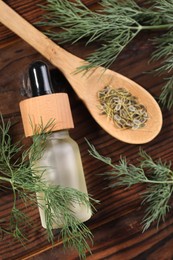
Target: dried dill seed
[{"x": 122, "y": 107}]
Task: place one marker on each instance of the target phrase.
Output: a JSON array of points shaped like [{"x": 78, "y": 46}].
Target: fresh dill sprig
[
  {"x": 24, "y": 181},
  {"x": 113, "y": 26},
  {"x": 62, "y": 207},
  {"x": 157, "y": 176},
  {"x": 166, "y": 97},
  {"x": 164, "y": 53}
]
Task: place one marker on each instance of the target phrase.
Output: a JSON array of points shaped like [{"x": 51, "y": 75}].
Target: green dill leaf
[
  {"x": 157, "y": 176},
  {"x": 25, "y": 183},
  {"x": 166, "y": 97},
  {"x": 74, "y": 233},
  {"x": 92, "y": 151},
  {"x": 113, "y": 26},
  {"x": 157, "y": 199}
]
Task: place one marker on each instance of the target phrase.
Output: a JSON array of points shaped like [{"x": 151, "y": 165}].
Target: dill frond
[
  {"x": 74, "y": 233},
  {"x": 25, "y": 182},
  {"x": 113, "y": 26},
  {"x": 157, "y": 176},
  {"x": 164, "y": 53},
  {"x": 166, "y": 97}
]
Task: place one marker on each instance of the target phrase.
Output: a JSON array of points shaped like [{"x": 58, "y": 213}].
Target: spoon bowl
[
  {"x": 87, "y": 85},
  {"x": 134, "y": 136}
]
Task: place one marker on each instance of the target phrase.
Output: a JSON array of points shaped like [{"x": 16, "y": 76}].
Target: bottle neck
[{"x": 58, "y": 134}]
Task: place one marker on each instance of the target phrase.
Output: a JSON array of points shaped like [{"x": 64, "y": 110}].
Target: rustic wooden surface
[{"x": 116, "y": 225}]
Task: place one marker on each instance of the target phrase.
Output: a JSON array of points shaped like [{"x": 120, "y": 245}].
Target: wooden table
[{"x": 116, "y": 225}]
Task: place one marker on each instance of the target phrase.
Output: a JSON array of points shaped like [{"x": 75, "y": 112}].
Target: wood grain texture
[
  {"x": 116, "y": 226},
  {"x": 41, "y": 109}
]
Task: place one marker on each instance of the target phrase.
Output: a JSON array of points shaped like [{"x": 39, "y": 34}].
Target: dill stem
[
  {"x": 156, "y": 27},
  {"x": 13, "y": 188},
  {"x": 150, "y": 27},
  {"x": 5, "y": 179},
  {"x": 157, "y": 182}
]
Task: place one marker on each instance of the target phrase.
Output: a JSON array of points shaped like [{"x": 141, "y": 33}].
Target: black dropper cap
[{"x": 40, "y": 79}]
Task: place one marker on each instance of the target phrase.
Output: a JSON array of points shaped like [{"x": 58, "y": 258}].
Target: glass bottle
[
  {"x": 61, "y": 157},
  {"x": 64, "y": 167}
]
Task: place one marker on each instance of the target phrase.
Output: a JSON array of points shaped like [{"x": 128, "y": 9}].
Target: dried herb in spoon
[{"x": 122, "y": 108}]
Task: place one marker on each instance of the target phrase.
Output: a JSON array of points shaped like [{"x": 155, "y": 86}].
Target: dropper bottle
[{"x": 61, "y": 157}]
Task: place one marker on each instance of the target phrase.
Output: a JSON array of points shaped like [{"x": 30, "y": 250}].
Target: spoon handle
[{"x": 63, "y": 60}]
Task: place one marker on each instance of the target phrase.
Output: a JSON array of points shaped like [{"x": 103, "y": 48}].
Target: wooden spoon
[{"x": 87, "y": 85}]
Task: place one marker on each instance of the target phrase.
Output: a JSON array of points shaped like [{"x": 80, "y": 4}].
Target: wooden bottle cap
[{"x": 37, "y": 112}]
